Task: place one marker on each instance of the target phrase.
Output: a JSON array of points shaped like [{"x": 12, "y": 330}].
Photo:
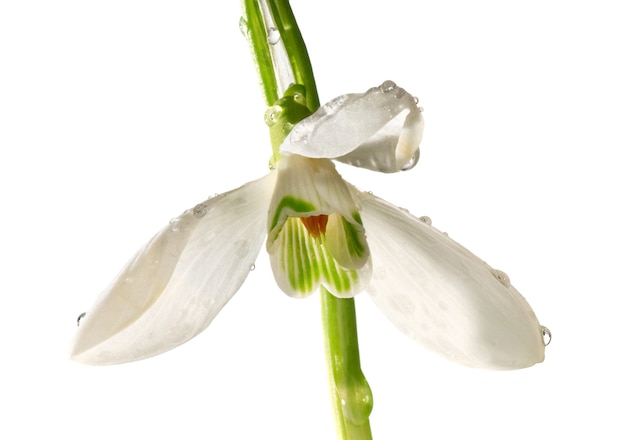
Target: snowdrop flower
[{"x": 320, "y": 231}]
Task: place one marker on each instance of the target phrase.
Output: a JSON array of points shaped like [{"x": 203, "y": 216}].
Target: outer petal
[
  {"x": 443, "y": 296},
  {"x": 174, "y": 287},
  {"x": 380, "y": 130}
]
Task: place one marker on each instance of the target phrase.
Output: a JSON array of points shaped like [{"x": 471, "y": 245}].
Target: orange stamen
[{"x": 316, "y": 224}]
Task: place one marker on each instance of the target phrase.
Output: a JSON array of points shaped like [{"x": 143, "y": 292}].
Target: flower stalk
[
  {"x": 350, "y": 393},
  {"x": 289, "y": 88}
]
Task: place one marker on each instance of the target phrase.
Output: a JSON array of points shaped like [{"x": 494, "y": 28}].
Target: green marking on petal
[
  {"x": 356, "y": 246},
  {"x": 346, "y": 242},
  {"x": 293, "y": 203},
  {"x": 304, "y": 261}
]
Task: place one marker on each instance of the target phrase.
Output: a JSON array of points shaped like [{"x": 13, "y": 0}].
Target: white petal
[
  {"x": 380, "y": 130},
  {"x": 443, "y": 296},
  {"x": 178, "y": 283}
]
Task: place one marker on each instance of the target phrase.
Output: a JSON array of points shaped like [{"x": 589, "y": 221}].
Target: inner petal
[
  {"x": 301, "y": 261},
  {"x": 315, "y": 233},
  {"x": 346, "y": 241}
]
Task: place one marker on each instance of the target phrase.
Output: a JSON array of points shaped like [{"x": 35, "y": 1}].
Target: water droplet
[
  {"x": 271, "y": 166},
  {"x": 420, "y": 109},
  {"x": 502, "y": 277},
  {"x": 80, "y": 317},
  {"x": 416, "y": 99},
  {"x": 252, "y": 267},
  {"x": 546, "y": 334},
  {"x": 426, "y": 219},
  {"x": 387, "y": 86},
  {"x": 200, "y": 210},
  {"x": 370, "y": 193},
  {"x": 299, "y": 98},
  {"x": 355, "y": 397},
  {"x": 273, "y": 36},
  {"x": 272, "y": 114},
  {"x": 412, "y": 161},
  {"x": 175, "y": 224},
  {"x": 243, "y": 27}
]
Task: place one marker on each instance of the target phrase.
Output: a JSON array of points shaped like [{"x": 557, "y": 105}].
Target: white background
[{"x": 116, "y": 116}]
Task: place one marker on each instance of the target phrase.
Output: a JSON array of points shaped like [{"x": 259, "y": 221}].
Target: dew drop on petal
[
  {"x": 426, "y": 219},
  {"x": 200, "y": 210},
  {"x": 252, "y": 267},
  {"x": 273, "y": 36},
  {"x": 175, "y": 224},
  {"x": 80, "y": 317},
  {"x": 502, "y": 277},
  {"x": 416, "y": 99},
  {"x": 546, "y": 334},
  {"x": 387, "y": 86},
  {"x": 412, "y": 161}
]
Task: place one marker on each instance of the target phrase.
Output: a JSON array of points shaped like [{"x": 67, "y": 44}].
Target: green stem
[
  {"x": 278, "y": 49},
  {"x": 351, "y": 394},
  {"x": 296, "y": 50},
  {"x": 290, "y": 92}
]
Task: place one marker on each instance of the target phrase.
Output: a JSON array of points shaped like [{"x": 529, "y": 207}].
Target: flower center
[{"x": 315, "y": 224}]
